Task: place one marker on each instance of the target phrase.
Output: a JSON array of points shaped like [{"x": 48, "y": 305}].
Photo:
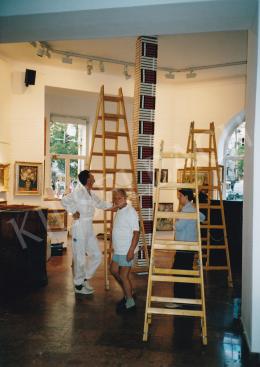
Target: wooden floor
[{"x": 53, "y": 327}]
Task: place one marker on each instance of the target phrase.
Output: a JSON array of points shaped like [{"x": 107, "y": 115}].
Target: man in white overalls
[{"x": 82, "y": 203}]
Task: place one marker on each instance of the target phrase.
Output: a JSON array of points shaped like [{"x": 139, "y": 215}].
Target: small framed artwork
[
  {"x": 4, "y": 177},
  {"x": 187, "y": 176},
  {"x": 165, "y": 224},
  {"x": 164, "y": 176},
  {"x": 57, "y": 220},
  {"x": 28, "y": 178}
]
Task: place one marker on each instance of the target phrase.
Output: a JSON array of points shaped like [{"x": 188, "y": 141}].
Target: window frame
[{"x": 83, "y": 120}]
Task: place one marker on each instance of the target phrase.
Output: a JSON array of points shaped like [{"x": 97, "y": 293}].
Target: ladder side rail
[
  {"x": 134, "y": 178},
  {"x": 230, "y": 280}
]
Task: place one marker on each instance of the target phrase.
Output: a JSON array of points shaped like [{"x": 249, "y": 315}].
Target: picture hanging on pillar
[
  {"x": 164, "y": 176},
  {"x": 28, "y": 178}
]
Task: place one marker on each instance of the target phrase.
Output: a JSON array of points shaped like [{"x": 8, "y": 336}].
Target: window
[
  {"x": 234, "y": 163},
  {"x": 66, "y": 150}
]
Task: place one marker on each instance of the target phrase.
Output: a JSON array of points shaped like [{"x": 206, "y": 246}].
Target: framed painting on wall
[
  {"x": 165, "y": 224},
  {"x": 57, "y": 220},
  {"x": 4, "y": 177},
  {"x": 28, "y": 178}
]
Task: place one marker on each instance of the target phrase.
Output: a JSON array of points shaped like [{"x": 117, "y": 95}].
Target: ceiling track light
[
  {"x": 191, "y": 74},
  {"x": 67, "y": 59},
  {"x": 40, "y": 52},
  {"x": 126, "y": 74},
  {"x": 170, "y": 75},
  {"x": 89, "y": 67}
]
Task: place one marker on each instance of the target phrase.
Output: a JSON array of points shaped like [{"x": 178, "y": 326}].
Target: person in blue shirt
[{"x": 185, "y": 230}]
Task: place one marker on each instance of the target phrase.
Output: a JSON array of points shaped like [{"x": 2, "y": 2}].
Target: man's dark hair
[
  {"x": 188, "y": 193},
  {"x": 83, "y": 177}
]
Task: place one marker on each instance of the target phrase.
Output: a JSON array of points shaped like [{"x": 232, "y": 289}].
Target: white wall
[{"x": 251, "y": 215}]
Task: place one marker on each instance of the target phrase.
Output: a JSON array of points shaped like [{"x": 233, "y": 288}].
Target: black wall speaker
[{"x": 29, "y": 77}]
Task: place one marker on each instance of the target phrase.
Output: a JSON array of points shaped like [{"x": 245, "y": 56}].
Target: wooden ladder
[
  {"x": 110, "y": 146},
  {"x": 214, "y": 190},
  {"x": 160, "y": 245}
]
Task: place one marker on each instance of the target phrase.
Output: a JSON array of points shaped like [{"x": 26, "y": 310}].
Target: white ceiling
[{"x": 177, "y": 51}]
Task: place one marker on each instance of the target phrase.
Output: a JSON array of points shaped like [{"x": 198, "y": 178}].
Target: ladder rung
[
  {"x": 175, "y": 247},
  {"x": 212, "y": 267},
  {"x": 202, "y": 131},
  {"x": 212, "y": 226},
  {"x": 187, "y": 301},
  {"x": 112, "y": 170},
  {"x": 111, "y": 152},
  {"x": 175, "y": 271},
  {"x": 177, "y": 215},
  {"x": 173, "y": 242},
  {"x": 214, "y": 247},
  {"x": 178, "y": 155},
  {"x": 112, "y": 188},
  {"x": 111, "y": 135},
  {"x": 110, "y": 98},
  {"x": 96, "y": 221},
  {"x": 176, "y": 185},
  {"x": 202, "y": 150},
  {"x": 111, "y": 116},
  {"x": 209, "y": 206},
  {"x": 167, "y": 311},
  {"x": 173, "y": 279}
]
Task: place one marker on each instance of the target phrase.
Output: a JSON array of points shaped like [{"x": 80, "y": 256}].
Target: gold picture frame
[
  {"x": 4, "y": 177},
  {"x": 57, "y": 220},
  {"x": 28, "y": 178}
]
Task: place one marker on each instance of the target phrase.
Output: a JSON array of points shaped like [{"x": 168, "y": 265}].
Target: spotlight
[
  {"x": 89, "y": 67},
  {"x": 191, "y": 74},
  {"x": 101, "y": 66},
  {"x": 170, "y": 75},
  {"x": 126, "y": 74},
  {"x": 66, "y": 59}
]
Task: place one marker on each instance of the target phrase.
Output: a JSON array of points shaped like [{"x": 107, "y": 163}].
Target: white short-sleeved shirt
[{"x": 125, "y": 223}]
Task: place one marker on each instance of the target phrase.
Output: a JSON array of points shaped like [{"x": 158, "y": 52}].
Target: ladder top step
[
  {"x": 178, "y": 155},
  {"x": 176, "y": 185},
  {"x": 202, "y": 131},
  {"x": 112, "y": 116},
  {"x": 111, "y": 135},
  {"x": 111, "y": 98}
]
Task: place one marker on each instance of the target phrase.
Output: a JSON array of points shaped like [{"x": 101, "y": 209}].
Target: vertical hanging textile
[{"x": 144, "y": 112}]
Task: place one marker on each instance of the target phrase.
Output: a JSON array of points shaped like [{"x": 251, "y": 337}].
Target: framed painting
[
  {"x": 57, "y": 220},
  {"x": 165, "y": 224},
  {"x": 164, "y": 176},
  {"x": 28, "y": 178},
  {"x": 4, "y": 177}
]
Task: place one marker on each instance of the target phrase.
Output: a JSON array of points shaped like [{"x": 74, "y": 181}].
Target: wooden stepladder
[
  {"x": 210, "y": 170},
  {"x": 110, "y": 153},
  {"x": 162, "y": 245}
]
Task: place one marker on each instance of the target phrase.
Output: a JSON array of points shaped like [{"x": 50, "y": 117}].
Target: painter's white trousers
[{"x": 84, "y": 243}]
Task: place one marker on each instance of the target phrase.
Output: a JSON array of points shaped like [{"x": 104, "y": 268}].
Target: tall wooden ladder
[
  {"x": 110, "y": 153},
  {"x": 163, "y": 247},
  {"x": 210, "y": 230}
]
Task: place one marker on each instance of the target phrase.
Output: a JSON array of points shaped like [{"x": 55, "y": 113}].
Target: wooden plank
[
  {"x": 214, "y": 247},
  {"x": 176, "y": 312},
  {"x": 212, "y": 226},
  {"x": 173, "y": 242},
  {"x": 171, "y": 247},
  {"x": 175, "y": 279},
  {"x": 111, "y": 135},
  {"x": 176, "y": 185},
  {"x": 111, "y": 152},
  {"x": 178, "y": 155},
  {"x": 110, "y": 98},
  {"x": 212, "y": 267},
  {"x": 175, "y": 271},
  {"x": 112, "y": 117},
  {"x": 202, "y": 131},
  {"x": 177, "y": 300}
]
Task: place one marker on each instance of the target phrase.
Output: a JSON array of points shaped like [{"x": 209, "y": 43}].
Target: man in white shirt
[
  {"x": 82, "y": 203},
  {"x": 125, "y": 238}
]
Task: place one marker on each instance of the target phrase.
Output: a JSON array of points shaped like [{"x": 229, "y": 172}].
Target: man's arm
[{"x": 131, "y": 251}]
